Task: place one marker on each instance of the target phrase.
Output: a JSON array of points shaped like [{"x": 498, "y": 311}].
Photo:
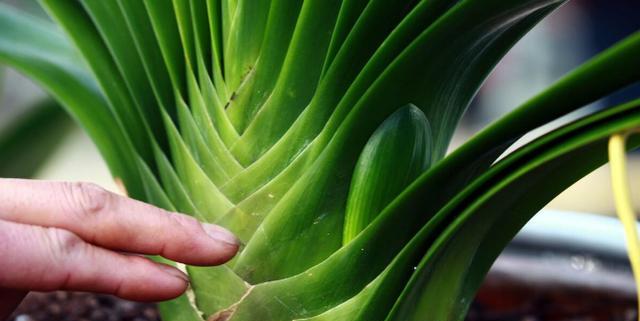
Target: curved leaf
[
  {"x": 29, "y": 140},
  {"x": 36, "y": 48},
  {"x": 396, "y": 154}
]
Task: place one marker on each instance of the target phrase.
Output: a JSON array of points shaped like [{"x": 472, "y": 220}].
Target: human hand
[{"x": 71, "y": 236}]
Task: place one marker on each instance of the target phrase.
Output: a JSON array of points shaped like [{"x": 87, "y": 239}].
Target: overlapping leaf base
[{"x": 256, "y": 114}]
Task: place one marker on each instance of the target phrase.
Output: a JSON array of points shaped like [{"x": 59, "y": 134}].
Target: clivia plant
[{"x": 317, "y": 131}]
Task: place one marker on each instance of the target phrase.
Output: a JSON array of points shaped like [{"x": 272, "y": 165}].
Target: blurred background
[{"x": 572, "y": 254}]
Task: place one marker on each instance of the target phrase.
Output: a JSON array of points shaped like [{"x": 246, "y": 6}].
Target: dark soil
[
  {"x": 501, "y": 299},
  {"x": 71, "y": 306}
]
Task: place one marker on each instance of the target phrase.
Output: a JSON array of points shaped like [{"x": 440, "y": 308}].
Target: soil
[
  {"x": 73, "y": 306},
  {"x": 502, "y": 299}
]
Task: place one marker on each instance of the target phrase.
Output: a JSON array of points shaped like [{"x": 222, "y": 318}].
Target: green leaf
[
  {"x": 201, "y": 116},
  {"x": 154, "y": 191},
  {"x": 351, "y": 268},
  {"x": 350, "y": 12},
  {"x": 435, "y": 188},
  {"x": 351, "y": 307},
  {"x": 365, "y": 54},
  {"x": 484, "y": 218},
  {"x": 215, "y": 26},
  {"x": 330, "y": 105},
  {"x": 312, "y": 210},
  {"x": 182, "y": 11},
  {"x": 395, "y": 155},
  {"x": 295, "y": 86},
  {"x": 243, "y": 40},
  {"x": 180, "y": 308},
  {"x": 36, "y": 48},
  {"x": 582, "y": 86},
  {"x": 245, "y": 218},
  {"x": 173, "y": 186},
  {"x": 85, "y": 36},
  {"x": 165, "y": 26},
  {"x": 283, "y": 16},
  {"x": 201, "y": 33},
  {"x": 214, "y": 106},
  {"x": 216, "y": 288},
  {"x": 198, "y": 148},
  {"x": 28, "y": 141},
  {"x": 147, "y": 45},
  {"x": 206, "y": 197},
  {"x": 111, "y": 25}
]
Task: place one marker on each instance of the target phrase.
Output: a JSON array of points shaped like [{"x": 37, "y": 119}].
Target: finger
[
  {"x": 114, "y": 221},
  {"x": 9, "y": 301},
  {"x": 48, "y": 259}
]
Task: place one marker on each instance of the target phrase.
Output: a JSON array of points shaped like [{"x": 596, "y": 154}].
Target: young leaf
[{"x": 396, "y": 154}]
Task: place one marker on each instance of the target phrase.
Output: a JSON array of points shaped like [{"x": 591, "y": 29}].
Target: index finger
[{"x": 115, "y": 222}]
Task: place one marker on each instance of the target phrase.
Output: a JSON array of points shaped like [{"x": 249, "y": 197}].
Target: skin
[{"x": 79, "y": 237}]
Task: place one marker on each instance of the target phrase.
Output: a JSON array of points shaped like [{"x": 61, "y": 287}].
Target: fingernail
[
  {"x": 174, "y": 272},
  {"x": 221, "y": 234}
]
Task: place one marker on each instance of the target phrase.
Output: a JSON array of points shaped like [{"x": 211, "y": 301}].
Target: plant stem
[{"x": 622, "y": 198}]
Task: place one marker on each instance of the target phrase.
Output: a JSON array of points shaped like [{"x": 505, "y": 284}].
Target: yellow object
[{"x": 624, "y": 207}]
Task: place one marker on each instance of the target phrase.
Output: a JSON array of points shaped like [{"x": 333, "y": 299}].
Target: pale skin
[{"x": 79, "y": 237}]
